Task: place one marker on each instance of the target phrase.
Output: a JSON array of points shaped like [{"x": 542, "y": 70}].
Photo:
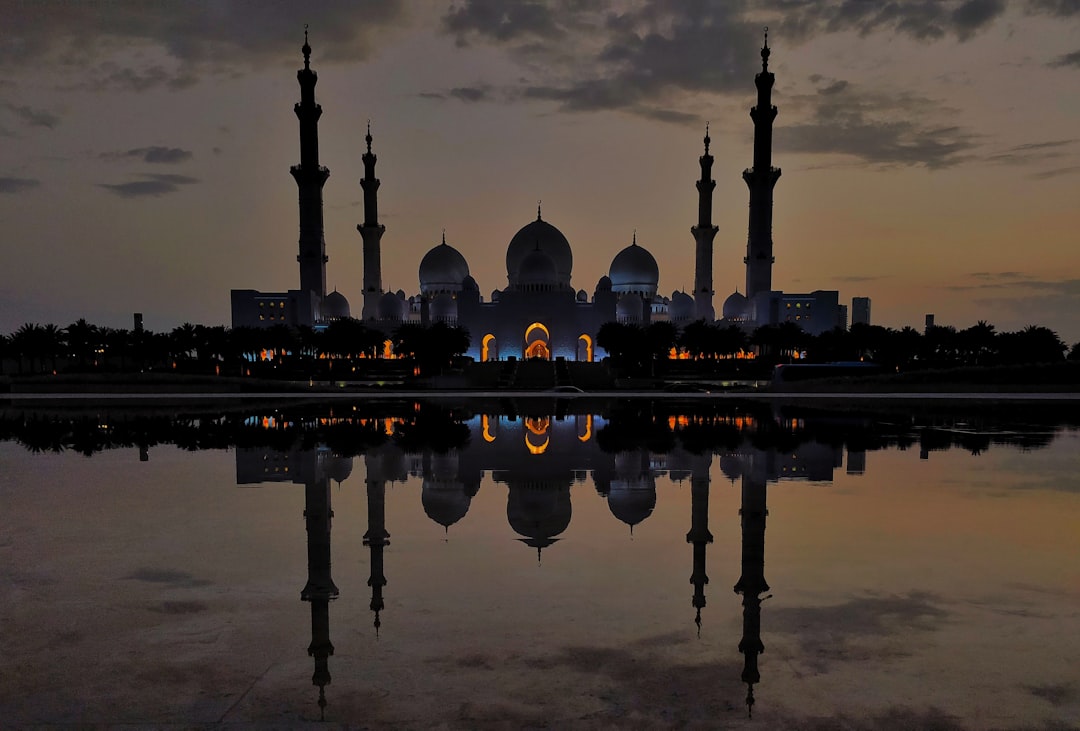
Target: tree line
[{"x": 82, "y": 347}]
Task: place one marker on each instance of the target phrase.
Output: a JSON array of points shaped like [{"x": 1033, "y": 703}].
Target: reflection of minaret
[
  {"x": 320, "y": 588},
  {"x": 371, "y": 231},
  {"x": 752, "y": 582},
  {"x": 310, "y": 177},
  {"x": 704, "y": 232},
  {"x": 376, "y": 539},
  {"x": 700, "y": 536},
  {"x": 760, "y": 179}
]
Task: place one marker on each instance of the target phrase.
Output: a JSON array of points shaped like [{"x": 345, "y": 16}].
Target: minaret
[
  {"x": 752, "y": 582},
  {"x": 760, "y": 179},
  {"x": 371, "y": 231},
  {"x": 310, "y": 177},
  {"x": 320, "y": 588},
  {"x": 704, "y": 232},
  {"x": 376, "y": 538},
  {"x": 699, "y": 535}
]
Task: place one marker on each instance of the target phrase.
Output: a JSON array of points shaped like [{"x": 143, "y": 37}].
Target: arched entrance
[
  {"x": 585, "y": 348},
  {"x": 536, "y": 341},
  {"x": 489, "y": 348}
]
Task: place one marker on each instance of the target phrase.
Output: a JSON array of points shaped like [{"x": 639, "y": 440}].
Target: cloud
[
  {"x": 877, "y": 127},
  {"x": 471, "y": 93},
  {"x": 33, "y": 117},
  {"x": 1069, "y": 59},
  {"x": 133, "y": 45},
  {"x": 153, "y": 186},
  {"x": 1058, "y": 8},
  {"x": 923, "y": 20},
  {"x": 17, "y": 185},
  {"x": 856, "y": 279},
  {"x": 153, "y": 154},
  {"x": 1055, "y": 172},
  {"x": 1031, "y": 152}
]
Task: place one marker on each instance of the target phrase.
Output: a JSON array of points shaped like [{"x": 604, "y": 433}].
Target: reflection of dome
[
  {"x": 631, "y": 505},
  {"x": 537, "y": 272},
  {"x": 732, "y": 467},
  {"x": 630, "y": 309},
  {"x": 335, "y": 306},
  {"x": 681, "y": 307},
  {"x": 735, "y": 307},
  {"x": 445, "y": 503},
  {"x": 634, "y": 270},
  {"x": 442, "y": 269},
  {"x": 539, "y": 234},
  {"x": 338, "y": 469},
  {"x": 443, "y": 308},
  {"x": 539, "y": 513},
  {"x": 391, "y": 307}
]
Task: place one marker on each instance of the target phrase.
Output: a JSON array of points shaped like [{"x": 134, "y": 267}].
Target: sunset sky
[{"x": 930, "y": 150}]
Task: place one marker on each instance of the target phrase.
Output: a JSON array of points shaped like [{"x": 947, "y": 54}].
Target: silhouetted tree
[
  {"x": 623, "y": 343},
  {"x": 1033, "y": 344},
  {"x": 1074, "y": 352},
  {"x": 82, "y": 340}
]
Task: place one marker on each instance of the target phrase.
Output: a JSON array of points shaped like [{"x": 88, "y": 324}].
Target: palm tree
[
  {"x": 82, "y": 339},
  {"x": 26, "y": 343}
]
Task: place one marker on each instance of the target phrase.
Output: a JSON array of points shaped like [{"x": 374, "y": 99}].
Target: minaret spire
[
  {"x": 760, "y": 179},
  {"x": 704, "y": 233},
  {"x": 310, "y": 177},
  {"x": 371, "y": 232}
]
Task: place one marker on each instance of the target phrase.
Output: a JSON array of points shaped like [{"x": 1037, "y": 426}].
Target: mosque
[{"x": 539, "y": 314}]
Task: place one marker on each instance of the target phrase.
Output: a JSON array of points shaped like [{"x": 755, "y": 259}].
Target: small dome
[
  {"x": 539, "y": 234},
  {"x": 604, "y": 285},
  {"x": 735, "y": 307},
  {"x": 630, "y": 309},
  {"x": 335, "y": 306},
  {"x": 443, "y": 269},
  {"x": 338, "y": 469},
  {"x": 445, "y": 503},
  {"x": 631, "y": 505},
  {"x": 495, "y": 294},
  {"x": 582, "y": 296},
  {"x": 537, "y": 270},
  {"x": 468, "y": 284},
  {"x": 400, "y": 293},
  {"x": 391, "y": 307},
  {"x": 682, "y": 307},
  {"x": 634, "y": 270},
  {"x": 443, "y": 308}
]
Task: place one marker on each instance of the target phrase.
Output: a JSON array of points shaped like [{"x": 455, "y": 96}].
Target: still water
[{"x": 541, "y": 564}]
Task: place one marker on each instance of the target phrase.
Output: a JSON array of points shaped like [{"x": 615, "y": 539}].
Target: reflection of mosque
[{"x": 539, "y": 458}]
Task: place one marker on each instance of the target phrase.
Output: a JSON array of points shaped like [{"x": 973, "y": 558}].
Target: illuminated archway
[
  {"x": 588, "y": 347},
  {"x": 486, "y": 349},
  {"x": 538, "y": 348}
]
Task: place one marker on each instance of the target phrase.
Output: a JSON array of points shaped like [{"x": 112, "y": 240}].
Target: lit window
[
  {"x": 798, "y": 305},
  {"x": 281, "y": 304},
  {"x": 262, "y": 317},
  {"x": 261, "y": 304}
]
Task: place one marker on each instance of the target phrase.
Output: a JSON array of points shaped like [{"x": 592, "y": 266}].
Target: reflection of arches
[
  {"x": 538, "y": 348},
  {"x": 536, "y": 448},
  {"x": 487, "y": 350},
  {"x": 486, "y": 424},
  {"x": 587, "y": 340},
  {"x": 537, "y": 426},
  {"x": 388, "y": 349},
  {"x": 588, "y": 429}
]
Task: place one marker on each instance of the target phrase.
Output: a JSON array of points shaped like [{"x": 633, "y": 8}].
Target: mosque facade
[{"x": 539, "y": 313}]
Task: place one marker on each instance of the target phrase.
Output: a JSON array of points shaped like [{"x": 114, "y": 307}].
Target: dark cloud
[
  {"x": 33, "y": 117},
  {"x": 924, "y": 20},
  {"x": 153, "y": 186},
  {"x": 1012, "y": 276},
  {"x": 174, "y": 579},
  {"x": 197, "y": 37},
  {"x": 471, "y": 93},
  {"x": 1069, "y": 59},
  {"x": 17, "y": 185},
  {"x": 1059, "y": 8},
  {"x": 154, "y": 154},
  {"x": 504, "y": 20},
  {"x": 857, "y": 630},
  {"x": 877, "y": 127},
  {"x": 1031, "y": 152}
]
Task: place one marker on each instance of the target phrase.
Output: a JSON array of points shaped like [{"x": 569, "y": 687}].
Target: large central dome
[{"x": 539, "y": 235}]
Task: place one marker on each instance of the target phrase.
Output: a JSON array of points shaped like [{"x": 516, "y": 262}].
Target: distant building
[
  {"x": 929, "y": 322},
  {"x": 860, "y": 310}
]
